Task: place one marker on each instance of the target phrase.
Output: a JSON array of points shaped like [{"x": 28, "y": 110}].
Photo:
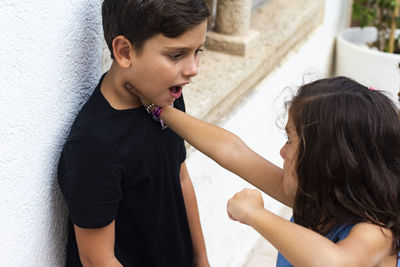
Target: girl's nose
[{"x": 283, "y": 151}]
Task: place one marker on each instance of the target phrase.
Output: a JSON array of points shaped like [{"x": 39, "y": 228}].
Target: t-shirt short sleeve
[
  {"x": 90, "y": 176},
  {"x": 183, "y": 152}
]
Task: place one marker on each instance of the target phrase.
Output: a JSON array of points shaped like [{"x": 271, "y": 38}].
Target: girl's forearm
[
  {"x": 229, "y": 151},
  {"x": 219, "y": 144},
  {"x": 299, "y": 245}
]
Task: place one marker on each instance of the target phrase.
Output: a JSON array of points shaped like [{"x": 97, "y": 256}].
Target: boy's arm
[
  {"x": 229, "y": 151},
  {"x": 96, "y": 246},
  {"x": 199, "y": 248}
]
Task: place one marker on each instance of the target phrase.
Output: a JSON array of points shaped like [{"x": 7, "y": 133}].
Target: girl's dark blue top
[{"x": 335, "y": 235}]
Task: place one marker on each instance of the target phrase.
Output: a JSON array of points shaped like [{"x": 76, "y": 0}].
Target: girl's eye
[
  {"x": 199, "y": 51},
  {"x": 288, "y": 139}
]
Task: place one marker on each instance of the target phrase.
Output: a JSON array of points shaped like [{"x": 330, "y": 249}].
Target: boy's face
[{"x": 164, "y": 65}]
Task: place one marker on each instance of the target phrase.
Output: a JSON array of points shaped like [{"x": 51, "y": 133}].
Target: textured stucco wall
[{"x": 50, "y": 57}]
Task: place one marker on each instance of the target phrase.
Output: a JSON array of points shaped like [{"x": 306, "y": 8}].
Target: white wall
[
  {"x": 50, "y": 55},
  {"x": 254, "y": 120}
]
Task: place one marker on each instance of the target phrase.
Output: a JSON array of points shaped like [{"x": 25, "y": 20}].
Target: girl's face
[{"x": 289, "y": 154}]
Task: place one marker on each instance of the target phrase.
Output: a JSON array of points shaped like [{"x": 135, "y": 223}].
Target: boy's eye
[
  {"x": 178, "y": 56},
  {"x": 175, "y": 56}
]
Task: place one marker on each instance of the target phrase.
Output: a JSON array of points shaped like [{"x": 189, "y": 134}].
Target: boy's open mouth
[{"x": 176, "y": 91}]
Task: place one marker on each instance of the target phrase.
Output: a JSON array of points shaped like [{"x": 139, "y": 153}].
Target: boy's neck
[{"x": 114, "y": 90}]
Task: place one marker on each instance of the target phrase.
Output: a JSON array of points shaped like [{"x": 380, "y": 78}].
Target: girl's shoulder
[
  {"x": 369, "y": 231},
  {"x": 372, "y": 242}
]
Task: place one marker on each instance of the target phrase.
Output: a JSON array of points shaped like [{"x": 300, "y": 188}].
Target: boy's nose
[{"x": 191, "y": 68}]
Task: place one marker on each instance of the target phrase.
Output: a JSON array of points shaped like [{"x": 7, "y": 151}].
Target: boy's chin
[
  {"x": 170, "y": 103},
  {"x": 165, "y": 103}
]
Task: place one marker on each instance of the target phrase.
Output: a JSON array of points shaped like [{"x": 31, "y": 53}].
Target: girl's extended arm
[
  {"x": 366, "y": 245},
  {"x": 229, "y": 151}
]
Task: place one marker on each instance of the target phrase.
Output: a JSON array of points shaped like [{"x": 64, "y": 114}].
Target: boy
[{"x": 129, "y": 194}]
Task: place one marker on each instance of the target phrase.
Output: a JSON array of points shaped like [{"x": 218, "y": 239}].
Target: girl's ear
[{"x": 122, "y": 48}]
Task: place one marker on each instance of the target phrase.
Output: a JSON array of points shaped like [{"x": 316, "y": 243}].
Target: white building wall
[
  {"x": 50, "y": 55},
  {"x": 254, "y": 120}
]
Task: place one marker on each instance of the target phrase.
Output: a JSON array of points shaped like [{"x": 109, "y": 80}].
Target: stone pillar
[
  {"x": 232, "y": 28},
  {"x": 233, "y": 17}
]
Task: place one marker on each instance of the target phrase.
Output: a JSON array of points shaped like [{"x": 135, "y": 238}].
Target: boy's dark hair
[
  {"x": 139, "y": 20},
  {"x": 348, "y": 159}
]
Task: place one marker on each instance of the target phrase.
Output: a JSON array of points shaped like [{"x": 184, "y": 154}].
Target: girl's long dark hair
[{"x": 348, "y": 161}]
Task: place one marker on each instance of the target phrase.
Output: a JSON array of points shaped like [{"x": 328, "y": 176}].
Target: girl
[{"x": 341, "y": 176}]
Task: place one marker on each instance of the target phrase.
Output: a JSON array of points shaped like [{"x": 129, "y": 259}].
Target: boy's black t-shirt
[{"x": 120, "y": 165}]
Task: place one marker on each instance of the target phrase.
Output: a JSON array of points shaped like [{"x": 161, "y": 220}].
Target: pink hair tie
[{"x": 372, "y": 88}]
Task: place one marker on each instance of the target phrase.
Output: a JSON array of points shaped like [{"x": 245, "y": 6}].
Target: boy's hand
[{"x": 243, "y": 204}]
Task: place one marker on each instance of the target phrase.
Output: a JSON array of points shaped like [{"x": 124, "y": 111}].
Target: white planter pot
[{"x": 367, "y": 66}]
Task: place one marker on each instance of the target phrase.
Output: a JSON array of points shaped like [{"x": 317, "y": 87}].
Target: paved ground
[{"x": 264, "y": 254}]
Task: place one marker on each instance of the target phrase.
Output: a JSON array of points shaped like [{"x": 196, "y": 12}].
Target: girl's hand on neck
[{"x": 144, "y": 101}]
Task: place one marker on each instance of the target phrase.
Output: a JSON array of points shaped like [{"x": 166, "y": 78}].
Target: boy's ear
[{"x": 122, "y": 48}]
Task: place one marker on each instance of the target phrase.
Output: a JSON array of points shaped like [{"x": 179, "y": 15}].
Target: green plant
[{"x": 382, "y": 14}]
